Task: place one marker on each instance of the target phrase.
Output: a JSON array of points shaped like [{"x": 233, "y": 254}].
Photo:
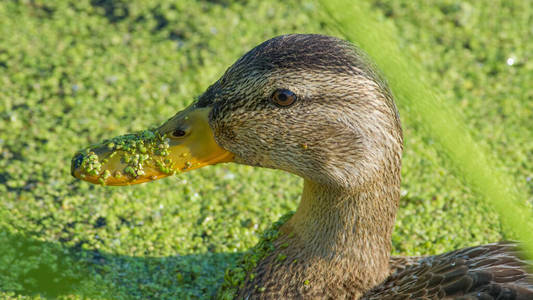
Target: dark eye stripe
[{"x": 283, "y": 97}]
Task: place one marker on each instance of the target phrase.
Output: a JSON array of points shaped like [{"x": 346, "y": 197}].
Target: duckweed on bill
[
  {"x": 135, "y": 150},
  {"x": 91, "y": 164}
]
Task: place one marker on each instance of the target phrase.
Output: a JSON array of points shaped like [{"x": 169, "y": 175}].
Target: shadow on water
[
  {"x": 114, "y": 10},
  {"x": 118, "y": 10},
  {"x": 52, "y": 269}
]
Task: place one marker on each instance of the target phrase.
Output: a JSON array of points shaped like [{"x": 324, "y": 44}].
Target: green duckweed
[
  {"x": 91, "y": 164},
  {"x": 135, "y": 150},
  {"x": 236, "y": 276},
  {"x": 136, "y": 63}
]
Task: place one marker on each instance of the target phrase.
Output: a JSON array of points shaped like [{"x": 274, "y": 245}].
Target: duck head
[
  {"x": 310, "y": 105},
  {"x": 307, "y": 104}
]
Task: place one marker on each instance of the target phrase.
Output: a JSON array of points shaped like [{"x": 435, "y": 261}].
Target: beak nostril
[{"x": 179, "y": 133}]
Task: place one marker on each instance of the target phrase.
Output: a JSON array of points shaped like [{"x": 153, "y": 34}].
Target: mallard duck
[{"x": 314, "y": 106}]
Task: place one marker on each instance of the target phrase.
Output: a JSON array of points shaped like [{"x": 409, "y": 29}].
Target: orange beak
[{"x": 183, "y": 143}]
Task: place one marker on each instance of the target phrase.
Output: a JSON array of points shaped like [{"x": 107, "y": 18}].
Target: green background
[{"x": 76, "y": 72}]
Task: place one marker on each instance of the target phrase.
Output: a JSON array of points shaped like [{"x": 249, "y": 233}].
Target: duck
[{"x": 317, "y": 107}]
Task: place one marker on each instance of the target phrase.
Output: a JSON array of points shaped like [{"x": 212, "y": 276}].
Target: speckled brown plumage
[
  {"x": 492, "y": 271},
  {"x": 343, "y": 136}
]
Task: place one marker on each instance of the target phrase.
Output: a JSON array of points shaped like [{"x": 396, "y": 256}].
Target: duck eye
[{"x": 283, "y": 97}]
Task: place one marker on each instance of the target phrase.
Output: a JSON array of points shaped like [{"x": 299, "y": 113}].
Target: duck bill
[{"x": 183, "y": 143}]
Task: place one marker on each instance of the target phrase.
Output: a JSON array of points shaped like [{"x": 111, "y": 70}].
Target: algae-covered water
[{"x": 74, "y": 73}]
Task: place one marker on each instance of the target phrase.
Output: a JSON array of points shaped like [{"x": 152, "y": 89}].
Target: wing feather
[{"x": 487, "y": 272}]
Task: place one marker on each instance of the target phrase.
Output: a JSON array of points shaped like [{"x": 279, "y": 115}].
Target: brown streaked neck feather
[
  {"x": 353, "y": 225},
  {"x": 336, "y": 245}
]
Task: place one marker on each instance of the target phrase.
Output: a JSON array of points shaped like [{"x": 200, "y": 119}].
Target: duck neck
[{"x": 348, "y": 230}]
